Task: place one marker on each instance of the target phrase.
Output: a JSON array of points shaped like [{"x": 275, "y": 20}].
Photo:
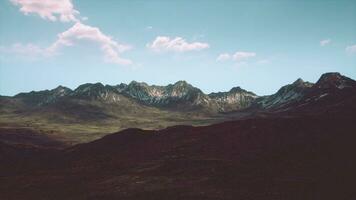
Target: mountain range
[
  {"x": 93, "y": 110},
  {"x": 180, "y": 95}
]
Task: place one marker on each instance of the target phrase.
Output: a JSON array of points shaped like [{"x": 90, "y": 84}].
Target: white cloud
[
  {"x": 64, "y": 11},
  {"x": 223, "y": 57},
  {"x": 177, "y": 44},
  {"x": 70, "y": 37},
  {"x": 52, "y": 10},
  {"x": 351, "y": 49},
  {"x": 79, "y": 31},
  {"x": 241, "y": 57},
  {"x": 325, "y": 42}
]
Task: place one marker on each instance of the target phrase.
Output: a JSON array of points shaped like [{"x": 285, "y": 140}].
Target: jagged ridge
[
  {"x": 183, "y": 96},
  {"x": 180, "y": 95}
]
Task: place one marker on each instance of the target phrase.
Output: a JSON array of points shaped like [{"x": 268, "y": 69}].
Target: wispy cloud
[
  {"x": 223, "y": 57},
  {"x": 325, "y": 42},
  {"x": 71, "y": 37},
  {"x": 79, "y": 32},
  {"x": 82, "y": 32},
  {"x": 177, "y": 44},
  {"x": 30, "y": 51},
  {"x": 238, "y": 56},
  {"x": 243, "y": 55},
  {"x": 351, "y": 49},
  {"x": 62, "y": 10}
]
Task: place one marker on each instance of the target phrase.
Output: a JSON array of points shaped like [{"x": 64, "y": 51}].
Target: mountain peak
[
  {"x": 89, "y": 86},
  {"x": 181, "y": 83},
  {"x": 182, "y": 87},
  {"x": 61, "y": 91},
  {"x": 301, "y": 83},
  {"x": 136, "y": 83},
  {"x": 237, "y": 90},
  {"x": 61, "y": 88},
  {"x": 92, "y": 90},
  {"x": 287, "y": 94},
  {"x": 298, "y": 81},
  {"x": 334, "y": 79},
  {"x": 330, "y": 76}
]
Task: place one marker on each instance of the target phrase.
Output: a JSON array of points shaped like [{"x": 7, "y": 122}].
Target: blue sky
[{"x": 214, "y": 45}]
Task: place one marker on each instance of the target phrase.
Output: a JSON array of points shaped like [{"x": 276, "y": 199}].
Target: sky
[{"x": 212, "y": 44}]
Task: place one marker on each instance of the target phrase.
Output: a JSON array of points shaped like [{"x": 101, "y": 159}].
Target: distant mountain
[
  {"x": 85, "y": 110},
  {"x": 332, "y": 89},
  {"x": 335, "y": 80},
  {"x": 180, "y": 96},
  {"x": 93, "y": 109},
  {"x": 286, "y": 95},
  {"x": 44, "y": 97},
  {"x": 235, "y": 99},
  {"x": 97, "y": 91}
]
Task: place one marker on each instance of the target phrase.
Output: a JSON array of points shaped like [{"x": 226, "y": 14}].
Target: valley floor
[
  {"x": 296, "y": 157},
  {"x": 72, "y": 130}
]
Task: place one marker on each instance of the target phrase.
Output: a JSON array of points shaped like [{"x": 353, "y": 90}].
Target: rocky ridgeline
[{"x": 183, "y": 96}]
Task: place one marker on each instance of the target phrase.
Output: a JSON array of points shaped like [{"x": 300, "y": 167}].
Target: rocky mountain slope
[
  {"x": 287, "y": 94},
  {"x": 331, "y": 89},
  {"x": 235, "y": 99}
]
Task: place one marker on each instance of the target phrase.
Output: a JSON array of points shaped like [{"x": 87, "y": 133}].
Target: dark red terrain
[
  {"x": 305, "y": 151},
  {"x": 267, "y": 158}
]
